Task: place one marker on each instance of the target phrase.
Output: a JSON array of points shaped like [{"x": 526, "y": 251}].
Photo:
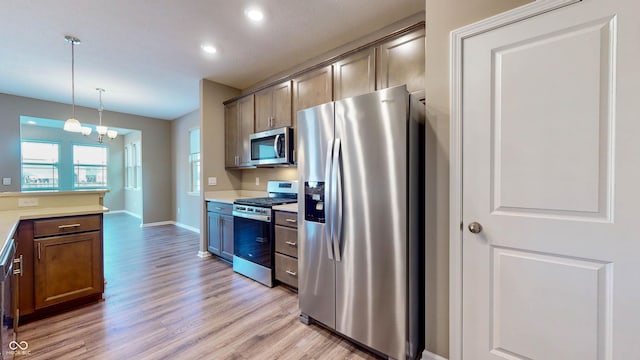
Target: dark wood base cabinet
[
  {"x": 286, "y": 255},
  {"x": 62, "y": 264}
]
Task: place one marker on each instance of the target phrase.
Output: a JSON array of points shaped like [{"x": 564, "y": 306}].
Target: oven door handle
[{"x": 328, "y": 228}]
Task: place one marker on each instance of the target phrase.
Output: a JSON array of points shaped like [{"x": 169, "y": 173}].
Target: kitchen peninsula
[{"x": 56, "y": 233}]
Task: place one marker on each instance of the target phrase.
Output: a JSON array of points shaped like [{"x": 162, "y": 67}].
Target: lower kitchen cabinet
[
  {"x": 67, "y": 268},
  {"x": 61, "y": 263},
  {"x": 220, "y": 229},
  {"x": 286, "y": 246}
]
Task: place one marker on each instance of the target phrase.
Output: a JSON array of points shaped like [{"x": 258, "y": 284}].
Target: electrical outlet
[
  {"x": 23, "y": 202},
  {"x": 213, "y": 181},
  {"x": 257, "y": 180},
  {"x": 6, "y": 181}
]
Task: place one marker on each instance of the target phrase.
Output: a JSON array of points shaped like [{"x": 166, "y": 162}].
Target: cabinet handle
[
  {"x": 218, "y": 208},
  {"x": 292, "y": 273},
  {"x": 291, "y": 220},
  {"x": 19, "y": 262},
  {"x": 291, "y": 243},
  {"x": 38, "y": 251},
  {"x": 63, "y": 227}
]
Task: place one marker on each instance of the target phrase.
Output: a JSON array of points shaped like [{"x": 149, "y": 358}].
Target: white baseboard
[
  {"x": 159, "y": 223},
  {"x": 428, "y": 355},
  {"x": 123, "y": 212},
  {"x": 204, "y": 254},
  {"x": 190, "y": 228}
]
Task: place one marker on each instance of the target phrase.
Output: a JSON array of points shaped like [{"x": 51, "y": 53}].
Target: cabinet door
[
  {"x": 263, "y": 109},
  {"x": 67, "y": 267},
  {"x": 227, "y": 236},
  {"x": 281, "y": 105},
  {"x": 214, "y": 233},
  {"x": 311, "y": 89},
  {"x": 231, "y": 135},
  {"x": 401, "y": 61},
  {"x": 354, "y": 75},
  {"x": 245, "y": 129},
  {"x": 24, "y": 252}
]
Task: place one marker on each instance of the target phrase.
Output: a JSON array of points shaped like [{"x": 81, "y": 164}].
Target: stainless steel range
[{"x": 253, "y": 231}]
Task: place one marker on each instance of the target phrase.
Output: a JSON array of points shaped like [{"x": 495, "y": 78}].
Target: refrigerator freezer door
[
  {"x": 316, "y": 291},
  {"x": 371, "y": 278}
]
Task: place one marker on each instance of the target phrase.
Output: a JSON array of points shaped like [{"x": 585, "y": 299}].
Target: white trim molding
[
  {"x": 123, "y": 212},
  {"x": 427, "y": 355},
  {"x": 457, "y": 38},
  {"x": 204, "y": 254},
  {"x": 187, "y": 227},
  {"x": 159, "y": 223}
]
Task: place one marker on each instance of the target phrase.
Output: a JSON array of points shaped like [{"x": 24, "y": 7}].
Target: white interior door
[{"x": 550, "y": 125}]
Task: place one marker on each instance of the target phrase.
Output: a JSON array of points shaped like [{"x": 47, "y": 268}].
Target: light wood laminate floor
[{"x": 163, "y": 302}]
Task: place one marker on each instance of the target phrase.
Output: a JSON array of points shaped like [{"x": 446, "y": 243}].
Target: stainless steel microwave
[{"x": 272, "y": 147}]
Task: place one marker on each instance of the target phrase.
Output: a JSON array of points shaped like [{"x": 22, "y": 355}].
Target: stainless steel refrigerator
[{"x": 361, "y": 176}]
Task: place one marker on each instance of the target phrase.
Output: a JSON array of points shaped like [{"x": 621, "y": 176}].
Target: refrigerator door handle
[
  {"x": 336, "y": 201},
  {"x": 327, "y": 199}
]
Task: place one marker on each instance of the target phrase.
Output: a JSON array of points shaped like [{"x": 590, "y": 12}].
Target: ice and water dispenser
[{"x": 314, "y": 201}]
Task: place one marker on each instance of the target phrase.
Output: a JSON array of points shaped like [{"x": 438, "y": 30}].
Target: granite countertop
[
  {"x": 9, "y": 219},
  {"x": 287, "y": 207},
  {"x": 229, "y": 196}
]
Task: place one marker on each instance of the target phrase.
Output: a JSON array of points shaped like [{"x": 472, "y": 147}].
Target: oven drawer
[
  {"x": 66, "y": 225},
  {"x": 220, "y": 207},
  {"x": 287, "y": 270},
  {"x": 286, "y": 240},
  {"x": 287, "y": 219}
]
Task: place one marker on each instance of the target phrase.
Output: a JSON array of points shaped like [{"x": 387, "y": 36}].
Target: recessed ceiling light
[
  {"x": 208, "y": 49},
  {"x": 254, "y": 14}
]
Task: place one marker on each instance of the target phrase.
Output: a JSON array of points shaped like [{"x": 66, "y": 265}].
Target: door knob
[{"x": 475, "y": 227}]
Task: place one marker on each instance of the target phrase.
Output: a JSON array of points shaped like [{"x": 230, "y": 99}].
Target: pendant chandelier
[
  {"x": 72, "y": 124},
  {"x": 100, "y": 129}
]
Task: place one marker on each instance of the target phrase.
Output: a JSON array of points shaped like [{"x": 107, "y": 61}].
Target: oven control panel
[{"x": 252, "y": 212}]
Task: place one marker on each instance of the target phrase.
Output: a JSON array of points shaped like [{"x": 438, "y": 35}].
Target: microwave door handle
[
  {"x": 336, "y": 201},
  {"x": 328, "y": 228},
  {"x": 275, "y": 146}
]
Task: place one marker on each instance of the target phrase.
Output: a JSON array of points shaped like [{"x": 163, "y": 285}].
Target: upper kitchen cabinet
[
  {"x": 312, "y": 88},
  {"x": 239, "y": 117},
  {"x": 273, "y": 107},
  {"x": 401, "y": 61},
  {"x": 354, "y": 75}
]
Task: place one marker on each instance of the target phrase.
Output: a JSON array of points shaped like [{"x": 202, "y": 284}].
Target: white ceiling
[{"x": 146, "y": 53}]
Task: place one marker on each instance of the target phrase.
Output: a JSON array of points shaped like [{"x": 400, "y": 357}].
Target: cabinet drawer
[
  {"x": 220, "y": 207},
  {"x": 286, "y": 240},
  {"x": 66, "y": 225},
  {"x": 287, "y": 219},
  {"x": 287, "y": 270}
]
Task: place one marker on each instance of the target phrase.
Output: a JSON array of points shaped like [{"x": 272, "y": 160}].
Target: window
[
  {"x": 194, "y": 160},
  {"x": 90, "y": 166},
  {"x": 40, "y": 165},
  {"x": 132, "y": 166}
]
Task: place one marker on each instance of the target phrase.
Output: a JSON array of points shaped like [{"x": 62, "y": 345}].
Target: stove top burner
[{"x": 266, "y": 201}]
